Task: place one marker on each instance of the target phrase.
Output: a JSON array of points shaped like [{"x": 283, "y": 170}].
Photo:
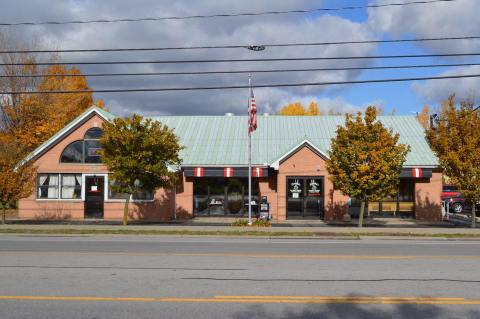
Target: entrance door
[
  {"x": 94, "y": 196},
  {"x": 305, "y": 197}
]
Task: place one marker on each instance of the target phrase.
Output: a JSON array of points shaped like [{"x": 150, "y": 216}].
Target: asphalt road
[{"x": 172, "y": 277}]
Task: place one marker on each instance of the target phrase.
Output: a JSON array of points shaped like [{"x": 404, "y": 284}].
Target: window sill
[
  {"x": 59, "y": 199},
  {"x": 132, "y": 201}
]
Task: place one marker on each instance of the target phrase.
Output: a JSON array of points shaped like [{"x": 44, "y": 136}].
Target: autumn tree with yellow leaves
[
  {"x": 455, "y": 138},
  {"x": 366, "y": 159},
  {"x": 424, "y": 117},
  {"x": 17, "y": 179},
  {"x": 31, "y": 119},
  {"x": 297, "y": 108}
]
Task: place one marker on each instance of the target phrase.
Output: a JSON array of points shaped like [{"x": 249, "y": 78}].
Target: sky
[{"x": 456, "y": 18}]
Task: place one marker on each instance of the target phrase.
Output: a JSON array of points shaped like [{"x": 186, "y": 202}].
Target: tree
[
  {"x": 313, "y": 109},
  {"x": 16, "y": 179},
  {"x": 366, "y": 159},
  {"x": 424, "y": 117},
  {"x": 34, "y": 118},
  {"x": 30, "y": 119},
  {"x": 293, "y": 109},
  {"x": 138, "y": 152},
  {"x": 456, "y": 141}
]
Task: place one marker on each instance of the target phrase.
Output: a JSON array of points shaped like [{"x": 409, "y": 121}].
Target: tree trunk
[
  {"x": 474, "y": 218},
  {"x": 4, "y": 214},
  {"x": 125, "y": 211},
  {"x": 362, "y": 209}
]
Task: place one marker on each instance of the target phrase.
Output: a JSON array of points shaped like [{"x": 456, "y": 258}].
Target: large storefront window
[
  {"x": 402, "y": 204},
  {"x": 219, "y": 196},
  {"x": 305, "y": 197}
]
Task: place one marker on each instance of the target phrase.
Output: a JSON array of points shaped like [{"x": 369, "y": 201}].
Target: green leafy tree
[
  {"x": 366, "y": 159},
  {"x": 16, "y": 181},
  {"x": 138, "y": 152},
  {"x": 456, "y": 141}
]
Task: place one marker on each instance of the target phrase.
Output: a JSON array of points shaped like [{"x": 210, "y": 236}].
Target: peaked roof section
[
  {"x": 68, "y": 128},
  {"x": 222, "y": 140},
  {"x": 296, "y": 148}
]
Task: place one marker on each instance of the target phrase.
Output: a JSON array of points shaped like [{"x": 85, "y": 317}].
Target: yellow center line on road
[
  {"x": 265, "y": 299},
  {"x": 242, "y": 255},
  {"x": 339, "y": 297}
]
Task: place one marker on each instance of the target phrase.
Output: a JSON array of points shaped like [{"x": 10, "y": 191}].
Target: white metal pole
[{"x": 249, "y": 153}]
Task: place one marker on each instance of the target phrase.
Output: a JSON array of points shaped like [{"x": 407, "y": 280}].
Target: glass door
[
  {"x": 313, "y": 201},
  {"x": 94, "y": 196},
  {"x": 305, "y": 197},
  {"x": 296, "y": 193}
]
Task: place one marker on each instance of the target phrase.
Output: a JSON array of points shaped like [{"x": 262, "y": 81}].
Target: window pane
[
  {"x": 94, "y": 133},
  {"x": 71, "y": 186},
  {"x": 143, "y": 195},
  {"x": 406, "y": 190},
  {"x": 72, "y": 153},
  {"x": 91, "y": 151},
  {"x": 295, "y": 188},
  {"x": 47, "y": 186},
  {"x": 200, "y": 196},
  {"x": 112, "y": 194}
]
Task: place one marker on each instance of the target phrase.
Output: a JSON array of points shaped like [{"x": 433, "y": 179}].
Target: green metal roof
[{"x": 222, "y": 140}]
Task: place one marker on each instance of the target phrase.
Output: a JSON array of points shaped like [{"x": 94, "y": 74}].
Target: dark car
[{"x": 456, "y": 200}]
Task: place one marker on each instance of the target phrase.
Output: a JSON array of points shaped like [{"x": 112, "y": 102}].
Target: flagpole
[{"x": 249, "y": 155}]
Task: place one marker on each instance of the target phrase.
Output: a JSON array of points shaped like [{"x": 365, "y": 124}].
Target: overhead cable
[
  {"x": 253, "y": 71},
  {"x": 243, "y": 46},
  {"x": 225, "y": 15},
  {"x": 200, "y": 88},
  {"x": 247, "y": 60}
]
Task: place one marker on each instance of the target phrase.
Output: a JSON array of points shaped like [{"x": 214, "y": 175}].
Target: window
[
  {"x": 84, "y": 151},
  {"x": 73, "y": 153},
  {"x": 95, "y": 133},
  {"x": 71, "y": 186},
  {"x": 140, "y": 195},
  {"x": 112, "y": 194},
  {"x": 47, "y": 186}
]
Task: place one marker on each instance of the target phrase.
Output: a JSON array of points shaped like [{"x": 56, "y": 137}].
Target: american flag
[{"x": 252, "y": 113}]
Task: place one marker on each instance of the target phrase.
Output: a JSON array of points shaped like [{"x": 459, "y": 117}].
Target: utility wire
[
  {"x": 239, "y": 46},
  {"x": 242, "y": 71},
  {"x": 245, "y": 86},
  {"x": 247, "y": 60},
  {"x": 225, "y": 15}
]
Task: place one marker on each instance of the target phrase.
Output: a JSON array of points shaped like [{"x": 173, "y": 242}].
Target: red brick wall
[
  {"x": 428, "y": 203},
  {"x": 306, "y": 162}
]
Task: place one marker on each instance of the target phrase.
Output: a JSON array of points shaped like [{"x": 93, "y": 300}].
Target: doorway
[
  {"x": 305, "y": 197},
  {"x": 94, "y": 196}
]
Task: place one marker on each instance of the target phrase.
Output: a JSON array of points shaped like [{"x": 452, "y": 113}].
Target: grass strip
[{"x": 233, "y": 233}]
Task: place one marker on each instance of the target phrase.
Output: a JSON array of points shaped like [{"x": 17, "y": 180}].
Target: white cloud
[
  {"x": 434, "y": 91},
  {"x": 441, "y": 19}
]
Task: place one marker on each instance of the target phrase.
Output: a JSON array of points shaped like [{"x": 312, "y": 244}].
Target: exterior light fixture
[{"x": 256, "y": 47}]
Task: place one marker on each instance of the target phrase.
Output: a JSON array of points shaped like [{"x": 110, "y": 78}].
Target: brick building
[{"x": 289, "y": 156}]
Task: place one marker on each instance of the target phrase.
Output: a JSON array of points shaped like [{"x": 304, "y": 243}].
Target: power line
[
  {"x": 241, "y": 71},
  {"x": 245, "y": 86},
  {"x": 225, "y": 15},
  {"x": 247, "y": 60},
  {"x": 239, "y": 46}
]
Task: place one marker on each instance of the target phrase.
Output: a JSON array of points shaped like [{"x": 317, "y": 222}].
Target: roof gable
[
  {"x": 305, "y": 143},
  {"x": 79, "y": 120}
]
